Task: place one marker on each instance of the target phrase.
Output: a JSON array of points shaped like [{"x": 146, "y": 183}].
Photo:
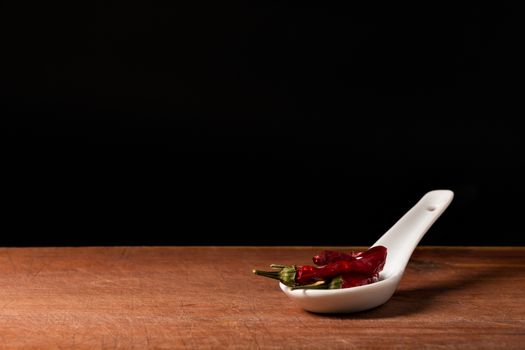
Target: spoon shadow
[{"x": 406, "y": 301}]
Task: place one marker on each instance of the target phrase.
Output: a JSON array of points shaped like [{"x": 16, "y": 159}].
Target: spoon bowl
[{"x": 400, "y": 241}]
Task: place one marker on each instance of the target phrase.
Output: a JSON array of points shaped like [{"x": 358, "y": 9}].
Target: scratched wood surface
[{"x": 204, "y": 298}]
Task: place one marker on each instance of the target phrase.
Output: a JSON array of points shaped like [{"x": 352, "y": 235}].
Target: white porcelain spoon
[{"x": 400, "y": 241}]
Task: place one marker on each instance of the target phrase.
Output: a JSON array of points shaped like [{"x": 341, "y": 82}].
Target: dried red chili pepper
[
  {"x": 370, "y": 262},
  {"x": 330, "y": 256},
  {"x": 303, "y": 275},
  {"x": 361, "y": 268}
]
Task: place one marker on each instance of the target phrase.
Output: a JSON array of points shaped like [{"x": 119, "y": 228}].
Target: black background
[{"x": 223, "y": 124}]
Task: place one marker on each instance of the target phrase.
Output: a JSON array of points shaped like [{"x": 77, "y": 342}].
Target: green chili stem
[
  {"x": 270, "y": 274},
  {"x": 316, "y": 285}
]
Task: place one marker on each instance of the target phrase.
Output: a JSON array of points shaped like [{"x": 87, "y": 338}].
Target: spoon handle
[{"x": 404, "y": 236}]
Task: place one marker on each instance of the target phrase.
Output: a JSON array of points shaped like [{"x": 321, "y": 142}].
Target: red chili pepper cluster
[{"x": 334, "y": 270}]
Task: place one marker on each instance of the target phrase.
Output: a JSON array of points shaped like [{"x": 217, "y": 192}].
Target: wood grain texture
[{"x": 207, "y": 298}]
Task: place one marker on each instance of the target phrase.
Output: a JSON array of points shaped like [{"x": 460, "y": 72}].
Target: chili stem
[
  {"x": 316, "y": 285},
  {"x": 270, "y": 274}
]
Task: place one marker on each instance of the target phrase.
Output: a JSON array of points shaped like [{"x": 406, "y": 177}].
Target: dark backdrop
[{"x": 142, "y": 124}]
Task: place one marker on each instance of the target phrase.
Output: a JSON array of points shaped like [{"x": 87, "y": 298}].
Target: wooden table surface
[{"x": 204, "y": 298}]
